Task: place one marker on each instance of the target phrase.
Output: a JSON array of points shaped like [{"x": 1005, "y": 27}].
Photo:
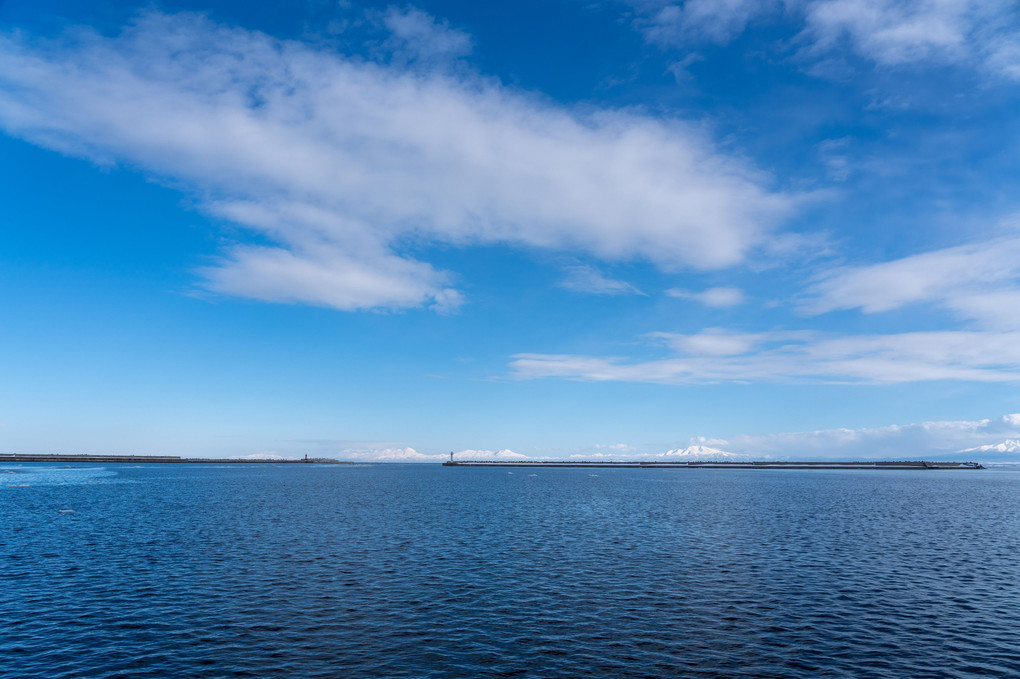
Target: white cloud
[
  {"x": 504, "y": 454},
  {"x": 910, "y": 441},
  {"x": 719, "y": 342},
  {"x": 698, "y": 452},
  {"x": 590, "y": 280},
  {"x": 621, "y": 447},
  {"x": 603, "y": 451},
  {"x": 388, "y": 455},
  {"x": 718, "y": 21},
  {"x": 418, "y": 36},
  {"x": 1004, "y": 56},
  {"x": 707, "y": 441},
  {"x": 265, "y": 456},
  {"x": 833, "y": 153},
  {"x": 409, "y": 454},
  {"x": 987, "y": 439},
  {"x": 681, "y": 69},
  {"x": 721, "y": 297},
  {"x": 345, "y": 166},
  {"x": 718, "y": 356},
  {"x": 331, "y": 277},
  {"x": 892, "y": 32},
  {"x": 984, "y": 33},
  {"x": 978, "y": 282}
]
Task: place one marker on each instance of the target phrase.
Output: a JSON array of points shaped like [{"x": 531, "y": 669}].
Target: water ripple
[{"x": 404, "y": 571}]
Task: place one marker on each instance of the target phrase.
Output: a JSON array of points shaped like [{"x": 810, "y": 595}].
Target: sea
[{"x": 301, "y": 571}]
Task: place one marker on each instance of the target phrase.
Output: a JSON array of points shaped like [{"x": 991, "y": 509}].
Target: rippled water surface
[{"x": 424, "y": 571}]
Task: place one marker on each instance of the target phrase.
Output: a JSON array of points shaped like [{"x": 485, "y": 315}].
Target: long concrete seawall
[
  {"x": 165, "y": 459},
  {"x": 905, "y": 464}
]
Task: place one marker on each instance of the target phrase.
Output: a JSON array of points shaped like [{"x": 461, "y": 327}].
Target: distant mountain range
[
  {"x": 1007, "y": 446},
  {"x": 703, "y": 453},
  {"x": 1007, "y": 451}
]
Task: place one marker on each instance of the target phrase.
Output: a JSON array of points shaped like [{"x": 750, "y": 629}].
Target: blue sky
[{"x": 563, "y": 228}]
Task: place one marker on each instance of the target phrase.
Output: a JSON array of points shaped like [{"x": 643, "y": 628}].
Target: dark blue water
[{"x": 421, "y": 571}]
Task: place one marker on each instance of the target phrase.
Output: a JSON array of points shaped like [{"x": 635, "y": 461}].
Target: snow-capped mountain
[
  {"x": 697, "y": 452},
  {"x": 411, "y": 455},
  {"x": 1007, "y": 446},
  {"x": 1007, "y": 452},
  {"x": 505, "y": 455}
]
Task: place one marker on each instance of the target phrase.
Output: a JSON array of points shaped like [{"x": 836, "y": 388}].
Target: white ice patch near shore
[{"x": 32, "y": 475}]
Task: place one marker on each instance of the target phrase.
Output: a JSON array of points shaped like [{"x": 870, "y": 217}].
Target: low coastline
[
  {"x": 707, "y": 464},
  {"x": 164, "y": 459}
]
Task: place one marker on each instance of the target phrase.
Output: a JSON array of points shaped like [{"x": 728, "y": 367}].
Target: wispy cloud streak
[
  {"x": 973, "y": 33},
  {"x": 713, "y": 297},
  {"x": 716, "y": 356},
  {"x": 978, "y": 281},
  {"x": 906, "y": 441},
  {"x": 590, "y": 280}
]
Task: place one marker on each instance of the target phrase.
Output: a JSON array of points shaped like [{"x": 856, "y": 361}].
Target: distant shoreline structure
[
  {"x": 167, "y": 459},
  {"x": 708, "y": 464},
  {"x": 524, "y": 464}
]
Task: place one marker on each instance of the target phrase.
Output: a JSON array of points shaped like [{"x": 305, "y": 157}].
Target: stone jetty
[
  {"x": 882, "y": 465},
  {"x": 164, "y": 459}
]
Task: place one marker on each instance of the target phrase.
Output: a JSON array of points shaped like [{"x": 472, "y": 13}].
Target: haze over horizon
[{"x": 387, "y": 231}]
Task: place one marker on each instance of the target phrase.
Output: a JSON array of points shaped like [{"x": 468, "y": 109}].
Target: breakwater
[
  {"x": 888, "y": 465},
  {"x": 164, "y": 459}
]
